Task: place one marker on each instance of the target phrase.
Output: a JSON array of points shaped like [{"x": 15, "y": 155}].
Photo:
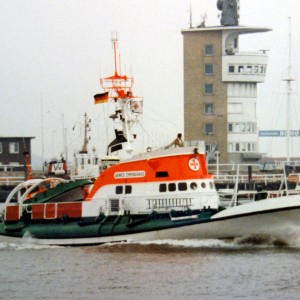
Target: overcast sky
[{"x": 53, "y": 53}]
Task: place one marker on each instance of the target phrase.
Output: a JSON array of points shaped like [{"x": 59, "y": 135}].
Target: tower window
[
  {"x": 209, "y": 129},
  {"x": 208, "y": 50},
  {"x": 231, "y": 69},
  {"x": 209, "y": 108},
  {"x": 208, "y": 89},
  {"x": 208, "y": 69}
]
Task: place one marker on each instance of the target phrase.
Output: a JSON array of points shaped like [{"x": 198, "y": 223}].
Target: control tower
[{"x": 220, "y": 87}]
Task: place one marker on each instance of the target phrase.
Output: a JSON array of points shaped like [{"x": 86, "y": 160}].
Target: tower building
[{"x": 220, "y": 87}]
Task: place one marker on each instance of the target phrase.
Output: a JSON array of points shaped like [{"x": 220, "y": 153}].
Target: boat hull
[{"x": 281, "y": 221}]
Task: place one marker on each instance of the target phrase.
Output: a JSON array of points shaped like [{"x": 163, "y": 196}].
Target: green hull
[{"x": 101, "y": 227}]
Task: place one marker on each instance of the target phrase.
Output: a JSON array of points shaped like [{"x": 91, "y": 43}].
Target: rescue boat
[{"x": 157, "y": 194}]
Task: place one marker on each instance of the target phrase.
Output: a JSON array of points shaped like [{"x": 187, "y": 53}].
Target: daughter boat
[{"x": 162, "y": 194}]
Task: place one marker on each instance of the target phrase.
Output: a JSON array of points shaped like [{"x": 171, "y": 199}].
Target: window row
[
  {"x": 182, "y": 186},
  {"x": 164, "y": 187},
  {"x": 247, "y": 69},
  {"x": 232, "y": 128},
  {"x": 89, "y": 161},
  {"x": 120, "y": 189},
  {"x": 242, "y": 147},
  {"x": 13, "y": 148},
  {"x": 242, "y": 127}
]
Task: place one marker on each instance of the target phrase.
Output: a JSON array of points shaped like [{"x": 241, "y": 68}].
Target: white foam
[{"x": 24, "y": 243}]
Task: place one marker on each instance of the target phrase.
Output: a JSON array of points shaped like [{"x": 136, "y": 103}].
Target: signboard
[
  {"x": 278, "y": 133},
  {"x": 132, "y": 174}
]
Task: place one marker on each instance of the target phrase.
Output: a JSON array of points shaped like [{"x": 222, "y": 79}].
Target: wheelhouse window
[
  {"x": 119, "y": 189},
  {"x": 172, "y": 187},
  {"x": 13, "y": 147},
  {"x": 162, "y": 187},
  {"x": 182, "y": 186},
  {"x": 128, "y": 189}
]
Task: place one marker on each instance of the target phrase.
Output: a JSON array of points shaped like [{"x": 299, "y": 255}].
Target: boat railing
[
  {"x": 11, "y": 167},
  {"x": 281, "y": 193},
  {"x": 8, "y": 180},
  {"x": 225, "y": 178},
  {"x": 230, "y": 197}
]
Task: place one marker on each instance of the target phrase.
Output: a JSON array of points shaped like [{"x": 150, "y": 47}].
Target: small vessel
[{"x": 157, "y": 194}]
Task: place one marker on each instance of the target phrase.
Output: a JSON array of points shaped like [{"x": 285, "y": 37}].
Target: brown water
[{"x": 191, "y": 269}]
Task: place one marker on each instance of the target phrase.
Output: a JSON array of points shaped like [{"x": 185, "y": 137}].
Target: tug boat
[{"x": 158, "y": 194}]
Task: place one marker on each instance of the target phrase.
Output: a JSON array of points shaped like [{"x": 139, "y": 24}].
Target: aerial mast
[
  {"x": 85, "y": 138},
  {"x": 114, "y": 40},
  {"x": 289, "y": 80}
]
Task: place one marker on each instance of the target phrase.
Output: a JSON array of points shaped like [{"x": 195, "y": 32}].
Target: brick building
[{"x": 220, "y": 91}]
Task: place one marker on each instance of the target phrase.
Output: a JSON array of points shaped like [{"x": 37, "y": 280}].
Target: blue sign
[{"x": 278, "y": 133}]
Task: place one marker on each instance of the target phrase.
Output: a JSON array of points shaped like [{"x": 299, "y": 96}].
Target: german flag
[{"x": 101, "y": 98}]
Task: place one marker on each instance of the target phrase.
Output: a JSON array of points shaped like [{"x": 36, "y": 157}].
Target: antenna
[
  {"x": 191, "y": 25},
  {"x": 203, "y": 20},
  {"x": 114, "y": 40},
  {"x": 42, "y": 129},
  {"x": 86, "y": 138},
  {"x": 289, "y": 80}
]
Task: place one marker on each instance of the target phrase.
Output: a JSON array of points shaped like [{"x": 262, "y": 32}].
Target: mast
[
  {"x": 85, "y": 138},
  {"x": 114, "y": 40},
  {"x": 289, "y": 80},
  {"x": 42, "y": 130},
  {"x": 191, "y": 25},
  {"x": 128, "y": 108}
]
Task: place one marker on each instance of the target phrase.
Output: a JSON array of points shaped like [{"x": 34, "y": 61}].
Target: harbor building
[
  {"x": 12, "y": 151},
  {"x": 220, "y": 88}
]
